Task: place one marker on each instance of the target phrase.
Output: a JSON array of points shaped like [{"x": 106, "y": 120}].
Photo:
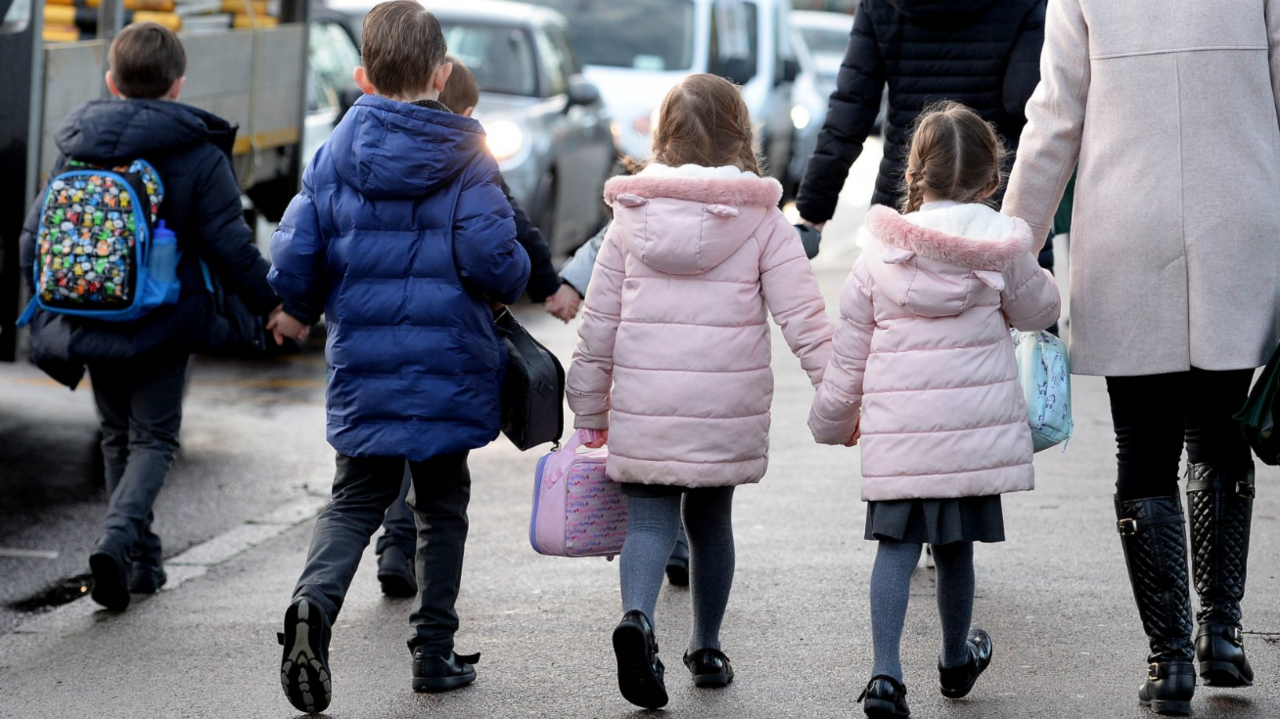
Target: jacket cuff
[
  {"x": 301, "y": 312},
  {"x": 542, "y": 285},
  {"x": 591, "y": 421}
]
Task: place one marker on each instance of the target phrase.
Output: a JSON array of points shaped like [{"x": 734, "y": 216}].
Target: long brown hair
[
  {"x": 704, "y": 121},
  {"x": 955, "y": 155}
]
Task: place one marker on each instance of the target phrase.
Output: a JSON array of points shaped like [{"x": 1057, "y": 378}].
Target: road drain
[{"x": 64, "y": 592}]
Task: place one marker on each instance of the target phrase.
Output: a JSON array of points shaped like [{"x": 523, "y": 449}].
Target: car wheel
[{"x": 545, "y": 206}]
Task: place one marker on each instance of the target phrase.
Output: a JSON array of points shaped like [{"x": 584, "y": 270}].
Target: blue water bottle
[{"x": 162, "y": 263}]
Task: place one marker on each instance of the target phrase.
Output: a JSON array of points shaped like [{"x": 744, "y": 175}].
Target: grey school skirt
[{"x": 936, "y": 521}]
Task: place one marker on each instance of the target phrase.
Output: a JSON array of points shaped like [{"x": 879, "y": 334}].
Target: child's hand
[
  {"x": 595, "y": 438},
  {"x": 282, "y": 324},
  {"x": 857, "y": 434},
  {"x": 563, "y": 305}
]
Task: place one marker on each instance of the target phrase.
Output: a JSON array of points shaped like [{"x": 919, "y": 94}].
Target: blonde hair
[
  {"x": 955, "y": 155},
  {"x": 704, "y": 121}
]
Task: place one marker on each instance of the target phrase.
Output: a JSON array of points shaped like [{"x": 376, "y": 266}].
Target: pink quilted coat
[
  {"x": 674, "y": 347},
  {"x": 923, "y": 351}
]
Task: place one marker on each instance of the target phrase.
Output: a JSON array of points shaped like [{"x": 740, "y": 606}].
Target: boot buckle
[
  {"x": 1153, "y": 671},
  {"x": 1244, "y": 490},
  {"x": 1127, "y": 527},
  {"x": 1235, "y": 636}
]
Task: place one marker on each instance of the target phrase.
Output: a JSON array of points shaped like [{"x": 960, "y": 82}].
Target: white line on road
[{"x": 28, "y": 553}]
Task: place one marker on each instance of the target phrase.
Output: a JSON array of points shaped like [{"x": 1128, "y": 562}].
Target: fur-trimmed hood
[
  {"x": 687, "y": 220},
  {"x": 939, "y": 261}
]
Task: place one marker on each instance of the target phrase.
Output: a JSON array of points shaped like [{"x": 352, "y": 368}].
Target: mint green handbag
[{"x": 1045, "y": 375}]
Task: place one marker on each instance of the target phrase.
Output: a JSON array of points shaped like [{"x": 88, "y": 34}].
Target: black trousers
[
  {"x": 362, "y": 491},
  {"x": 1155, "y": 414}
]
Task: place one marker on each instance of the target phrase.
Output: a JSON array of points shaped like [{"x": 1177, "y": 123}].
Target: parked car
[
  {"x": 820, "y": 40},
  {"x": 547, "y": 125},
  {"x": 333, "y": 56},
  {"x": 636, "y": 50}
]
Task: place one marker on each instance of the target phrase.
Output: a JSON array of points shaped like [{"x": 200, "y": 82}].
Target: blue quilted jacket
[{"x": 401, "y": 236}]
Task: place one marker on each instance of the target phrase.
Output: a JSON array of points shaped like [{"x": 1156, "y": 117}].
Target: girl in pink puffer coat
[
  {"x": 923, "y": 373},
  {"x": 672, "y": 366}
]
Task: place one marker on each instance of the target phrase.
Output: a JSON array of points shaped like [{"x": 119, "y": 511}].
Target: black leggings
[{"x": 1153, "y": 414}]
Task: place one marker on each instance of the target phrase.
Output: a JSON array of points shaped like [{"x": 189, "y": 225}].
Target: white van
[{"x": 636, "y": 50}]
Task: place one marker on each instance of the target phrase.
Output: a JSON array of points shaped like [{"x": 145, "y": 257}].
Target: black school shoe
[
  {"x": 146, "y": 577},
  {"x": 640, "y": 671},
  {"x": 958, "y": 681},
  {"x": 710, "y": 668},
  {"x": 396, "y": 574},
  {"x": 304, "y": 670},
  {"x": 434, "y": 673},
  {"x": 885, "y": 698},
  {"x": 110, "y": 566}
]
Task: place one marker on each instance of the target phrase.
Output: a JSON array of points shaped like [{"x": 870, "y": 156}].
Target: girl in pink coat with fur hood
[
  {"x": 923, "y": 373},
  {"x": 672, "y": 366}
]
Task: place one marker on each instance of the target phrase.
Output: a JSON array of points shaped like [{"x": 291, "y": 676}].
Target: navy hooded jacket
[
  {"x": 402, "y": 237},
  {"x": 191, "y": 149}
]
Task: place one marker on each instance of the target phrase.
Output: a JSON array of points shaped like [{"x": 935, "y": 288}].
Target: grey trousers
[
  {"x": 139, "y": 406},
  {"x": 398, "y": 527},
  {"x": 363, "y": 489}
]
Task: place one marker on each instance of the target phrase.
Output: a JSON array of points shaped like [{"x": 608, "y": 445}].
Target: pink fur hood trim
[
  {"x": 738, "y": 191},
  {"x": 894, "y": 230}
]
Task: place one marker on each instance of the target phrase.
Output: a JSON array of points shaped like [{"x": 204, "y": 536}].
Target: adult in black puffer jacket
[{"x": 983, "y": 53}]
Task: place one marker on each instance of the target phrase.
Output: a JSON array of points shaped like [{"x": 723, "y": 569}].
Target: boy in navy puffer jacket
[{"x": 402, "y": 237}]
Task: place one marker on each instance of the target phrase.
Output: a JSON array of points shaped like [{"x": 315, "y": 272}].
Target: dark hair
[
  {"x": 402, "y": 45},
  {"x": 704, "y": 121},
  {"x": 461, "y": 91},
  {"x": 145, "y": 60},
  {"x": 955, "y": 155}
]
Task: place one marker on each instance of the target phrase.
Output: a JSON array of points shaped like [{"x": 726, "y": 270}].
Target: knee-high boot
[
  {"x": 1155, "y": 551},
  {"x": 1220, "y": 506}
]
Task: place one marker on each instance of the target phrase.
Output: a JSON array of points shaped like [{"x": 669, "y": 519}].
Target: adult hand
[
  {"x": 857, "y": 434},
  {"x": 564, "y": 303},
  {"x": 281, "y": 324},
  {"x": 595, "y": 438}
]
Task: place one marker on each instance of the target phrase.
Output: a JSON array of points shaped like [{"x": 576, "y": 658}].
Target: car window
[
  {"x": 641, "y": 34},
  {"x": 557, "y": 78},
  {"x": 501, "y": 57},
  {"x": 333, "y": 57},
  {"x": 735, "y": 40},
  {"x": 825, "y": 40},
  {"x": 571, "y": 65}
]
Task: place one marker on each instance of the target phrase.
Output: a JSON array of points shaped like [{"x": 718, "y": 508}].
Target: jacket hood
[
  {"x": 940, "y": 9},
  {"x": 114, "y": 130},
  {"x": 701, "y": 216},
  {"x": 938, "y": 262},
  {"x": 394, "y": 150}
]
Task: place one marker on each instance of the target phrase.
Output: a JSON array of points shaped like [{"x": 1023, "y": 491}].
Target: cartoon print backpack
[
  {"x": 99, "y": 253},
  {"x": 577, "y": 510},
  {"x": 1045, "y": 375}
]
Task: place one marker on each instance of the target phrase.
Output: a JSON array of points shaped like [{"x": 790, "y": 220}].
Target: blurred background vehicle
[
  {"x": 636, "y": 50},
  {"x": 334, "y": 54},
  {"x": 820, "y": 40},
  {"x": 547, "y": 124}
]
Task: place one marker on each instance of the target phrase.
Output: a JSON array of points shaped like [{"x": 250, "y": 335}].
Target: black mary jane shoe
[
  {"x": 885, "y": 698},
  {"x": 957, "y": 682},
  {"x": 435, "y": 673},
  {"x": 640, "y": 671},
  {"x": 710, "y": 668}
]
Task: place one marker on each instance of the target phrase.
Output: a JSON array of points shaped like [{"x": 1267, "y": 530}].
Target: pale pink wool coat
[
  {"x": 674, "y": 348},
  {"x": 923, "y": 351}
]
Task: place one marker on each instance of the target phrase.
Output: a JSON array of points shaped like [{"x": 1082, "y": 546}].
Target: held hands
[
  {"x": 281, "y": 324},
  {"x": 857, "y": 434},
  {"x": 564, "y": 304},
  {"x": 595, "y": 438}
]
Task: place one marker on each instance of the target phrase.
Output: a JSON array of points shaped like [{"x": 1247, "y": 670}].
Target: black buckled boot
[
  {"x": 1155, "y": 551},
  {"x": 1220, "y": 504}
]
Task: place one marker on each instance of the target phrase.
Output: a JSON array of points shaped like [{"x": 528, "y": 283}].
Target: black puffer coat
[
  {"x": 191, "y": 149},
  {"x": 983, "y": 53}
]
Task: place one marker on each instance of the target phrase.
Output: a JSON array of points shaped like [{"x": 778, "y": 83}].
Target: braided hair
[{"x": 955, "y": 155}]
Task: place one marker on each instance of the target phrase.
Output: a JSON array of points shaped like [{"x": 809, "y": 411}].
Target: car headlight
[
  {"x": 800, "y": 117},
  {"x": 505, "y": 139}
]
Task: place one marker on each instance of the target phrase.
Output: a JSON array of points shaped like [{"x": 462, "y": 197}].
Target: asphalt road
[{"x": 1054, "y": 597}]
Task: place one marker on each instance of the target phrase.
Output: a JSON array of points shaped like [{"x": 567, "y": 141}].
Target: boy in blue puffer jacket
[{"x": 403, "y": 239}]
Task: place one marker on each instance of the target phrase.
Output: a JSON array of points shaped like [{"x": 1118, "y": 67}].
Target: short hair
[
  {"x": 145, "y": 60},
  {"x": 461, "y": 91},
  {"x": 402, "y": 45}
]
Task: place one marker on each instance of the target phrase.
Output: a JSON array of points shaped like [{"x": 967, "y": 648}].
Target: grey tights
[
  {"x": 652, "y": 524},
  {"x": 891, "y": 588}
]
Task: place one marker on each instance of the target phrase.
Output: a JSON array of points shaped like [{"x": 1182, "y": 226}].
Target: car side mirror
[
  {"x": 346, "y": 100},
  {"x": 582, "y": 92},
  {"x": 790, "y": 69},
  {"x": 737, "y": 70}
]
